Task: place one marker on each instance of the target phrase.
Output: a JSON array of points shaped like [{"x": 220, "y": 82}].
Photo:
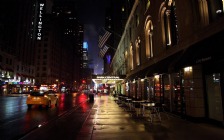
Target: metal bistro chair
[
  {"x": 137, "y": 106},
  {"x": 160, "y": 108}
]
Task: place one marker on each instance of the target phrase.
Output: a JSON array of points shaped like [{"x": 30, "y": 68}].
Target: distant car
[{"x": 40, "y": 98}]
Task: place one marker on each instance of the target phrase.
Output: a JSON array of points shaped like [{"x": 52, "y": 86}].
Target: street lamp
[{"x": 57, "y": 84}]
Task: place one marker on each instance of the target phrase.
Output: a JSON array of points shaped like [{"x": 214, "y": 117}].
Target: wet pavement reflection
[{"x": 17, "y": 120}]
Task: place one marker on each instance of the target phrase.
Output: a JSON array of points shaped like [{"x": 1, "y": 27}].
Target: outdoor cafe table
[
  {"x": 153, "y": 110},
  {"x": 136, "y": 104}
]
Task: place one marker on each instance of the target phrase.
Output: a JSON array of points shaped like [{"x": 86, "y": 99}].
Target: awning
[
  {"x": 163, "y": 66},
  {"x": 206, "y": 51}
]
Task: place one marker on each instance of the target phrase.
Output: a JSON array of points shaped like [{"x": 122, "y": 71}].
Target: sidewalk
[{"x": 109, "y": 121}]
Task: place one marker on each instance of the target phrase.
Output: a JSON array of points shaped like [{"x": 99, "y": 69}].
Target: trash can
[{"x": 91, "y": 97}]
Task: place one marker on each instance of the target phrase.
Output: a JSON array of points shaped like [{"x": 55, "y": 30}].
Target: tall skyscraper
[{"x": 62, "y": 46}]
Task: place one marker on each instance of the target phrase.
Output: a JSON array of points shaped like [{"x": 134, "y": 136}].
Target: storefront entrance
[{"x": 214, "y": 97}]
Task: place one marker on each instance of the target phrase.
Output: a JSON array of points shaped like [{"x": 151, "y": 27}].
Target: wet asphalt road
[{"x": 16, "y": 121}]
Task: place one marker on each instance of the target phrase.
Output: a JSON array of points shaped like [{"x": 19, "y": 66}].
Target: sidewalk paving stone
[{"x": 109, "y": 121}]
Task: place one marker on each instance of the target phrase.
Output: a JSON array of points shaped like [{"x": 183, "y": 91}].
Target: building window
[
  {"x": 122, "y": 9},
  {"x": 148, "y": 37},
  {"x": 137, "y": 45},
  {"x": 44, "y": 68},
  {"x": 43, "y": 74},
  {"x": 44, "y": 57},
  {"x": 169, "y": 24},
  {"x": 210, "y": 10},
  {"x": 203, "y": 10},
  {"x": 126, "y": 60},
  {"x": 137, "y": 20},
  {"x": 147, "y": 5},
  {"x": 131, "y": 57}
]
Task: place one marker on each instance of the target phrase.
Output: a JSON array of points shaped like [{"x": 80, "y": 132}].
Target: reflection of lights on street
[
  {"x": 62, "y": 97},
  {"x": 81, "y": 100},
  {"x": 82, "y": 97},
  {"x": 74, "y": 94},
  {"x": 61, "y": 101}
]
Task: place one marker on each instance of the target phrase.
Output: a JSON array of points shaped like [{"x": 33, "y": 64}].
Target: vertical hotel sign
[{"x": 40, "y": 21}]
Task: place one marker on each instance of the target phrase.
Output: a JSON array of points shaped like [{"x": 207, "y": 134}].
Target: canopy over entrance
[{"x": 107, "y": 79}]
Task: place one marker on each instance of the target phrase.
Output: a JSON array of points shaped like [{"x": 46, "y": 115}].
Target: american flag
[
  {"x": 103, "y": 51},
  {"x": 103, "y": 37}
]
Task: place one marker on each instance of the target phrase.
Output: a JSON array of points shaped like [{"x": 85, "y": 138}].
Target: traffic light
[{"x": 84, "y": 81}]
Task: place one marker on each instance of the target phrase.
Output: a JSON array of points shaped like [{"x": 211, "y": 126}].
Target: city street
[
  {"x": 17, "y": 121},
  {"x": 107, "y": 120}
]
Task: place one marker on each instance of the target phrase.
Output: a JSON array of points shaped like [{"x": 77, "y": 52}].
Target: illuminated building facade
[
  {"x": 17, "y": 46},
  {"x": 85, "y": 67},
  {"x": 172, "y": 53}
]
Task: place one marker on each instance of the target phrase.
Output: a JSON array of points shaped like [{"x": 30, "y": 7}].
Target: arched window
[
  {"x": 148, "y": 37},
  {"x": 169, "y": 23},
  {"x": 131, "y": 57},
  {"x": 126, "y": 60},
  {"x": 137, "y": 45},
  {"x": 210, "y": 10},
  {"x": 203, "y": 10}
]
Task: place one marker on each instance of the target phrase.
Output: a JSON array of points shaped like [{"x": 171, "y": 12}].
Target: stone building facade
[{"x": 171, "y": 52}]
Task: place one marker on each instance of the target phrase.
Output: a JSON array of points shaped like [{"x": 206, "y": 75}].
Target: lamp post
[{"x": 57, "y": 84}]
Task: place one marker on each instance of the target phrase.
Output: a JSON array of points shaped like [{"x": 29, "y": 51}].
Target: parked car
[{"x": 41, "y": 98}]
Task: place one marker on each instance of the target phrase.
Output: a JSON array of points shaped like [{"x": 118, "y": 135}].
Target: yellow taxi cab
[{"x": 41, "y": 98}]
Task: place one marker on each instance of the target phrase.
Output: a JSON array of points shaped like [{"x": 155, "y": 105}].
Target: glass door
[{"x": 214, "y": 97}]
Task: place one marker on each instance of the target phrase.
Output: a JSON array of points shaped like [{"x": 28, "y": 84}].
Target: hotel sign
[
  {"x": 101, "y": 77},
  {"x": 107, "y": 77},
  {"x": 40, "y": 21}
]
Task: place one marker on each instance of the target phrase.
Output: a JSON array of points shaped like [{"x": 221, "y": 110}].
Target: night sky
[{"x": 92, "y": 14}]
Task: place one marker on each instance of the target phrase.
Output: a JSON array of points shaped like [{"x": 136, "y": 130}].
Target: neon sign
[{"x": 40, "y": 22}]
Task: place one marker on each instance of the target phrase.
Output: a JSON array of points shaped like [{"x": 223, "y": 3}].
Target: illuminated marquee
[
  {"x": 108, "y": 77},
  {"x": 40, "y": 22}
]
